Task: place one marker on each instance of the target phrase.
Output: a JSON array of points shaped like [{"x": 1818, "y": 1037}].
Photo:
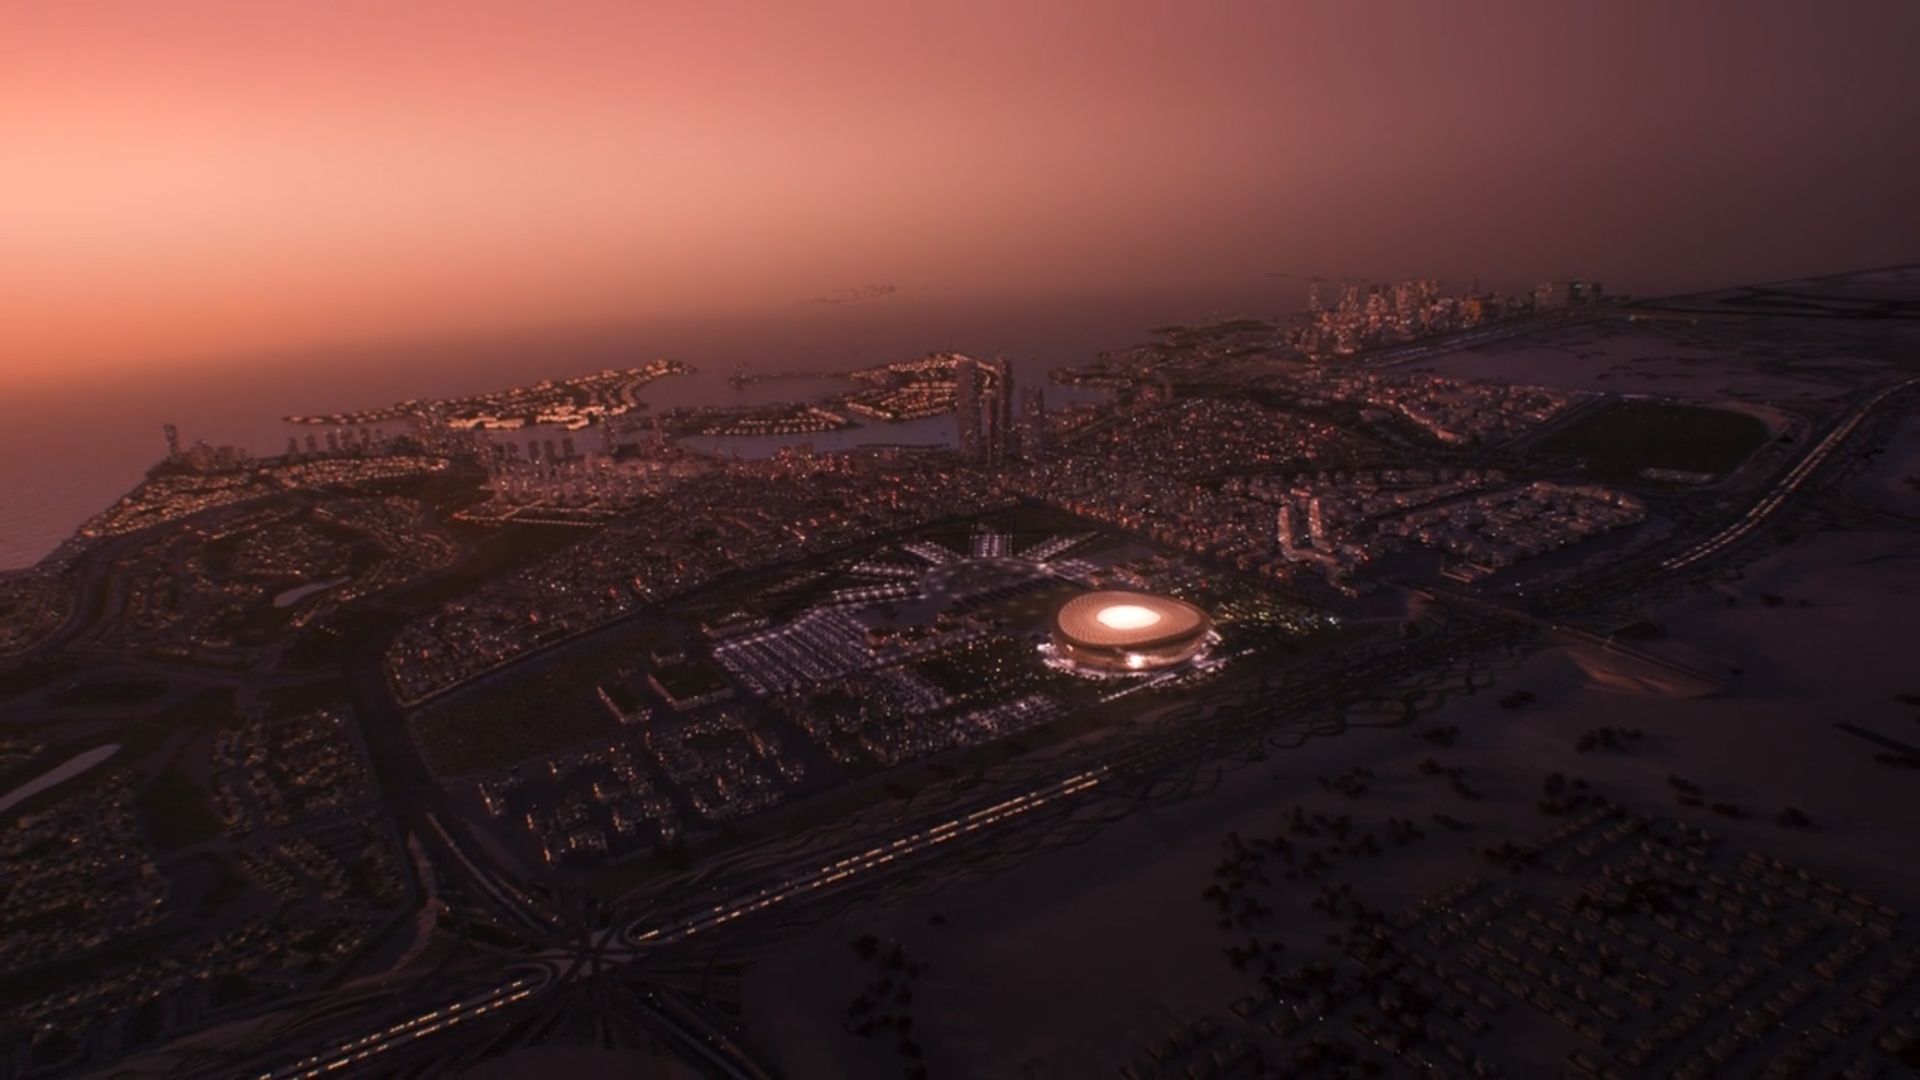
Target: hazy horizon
[
  {"x": 216, "y": 185},
  {"x": 105, "y": 433}
]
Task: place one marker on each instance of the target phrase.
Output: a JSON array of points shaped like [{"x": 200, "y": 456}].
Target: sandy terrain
[
  {"x": 580, "y": 1063},
  {"x": 1708, "y": 361},
  {"x": 1069, "y": 964},
  {"x": 1892, "y": 480}
]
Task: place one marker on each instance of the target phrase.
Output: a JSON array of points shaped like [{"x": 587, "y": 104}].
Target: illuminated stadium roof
[{"x": 1118, "y": 630}]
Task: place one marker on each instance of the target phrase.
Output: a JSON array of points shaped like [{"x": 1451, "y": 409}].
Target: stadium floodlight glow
[
  {"x": 1127, "y": 616},
  {"x": 1121, "y": 632}
]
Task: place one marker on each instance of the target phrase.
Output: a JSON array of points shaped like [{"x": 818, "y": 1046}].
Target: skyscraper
[
  {"x": 997, "y": 410},
  {"x": 1033, "y": 421},
  {"x": 983, "y": 408},
  {"x": 966, "y": 406}
]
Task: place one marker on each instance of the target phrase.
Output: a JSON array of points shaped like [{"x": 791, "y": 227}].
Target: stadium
[{"x": 1115, "y": 631}]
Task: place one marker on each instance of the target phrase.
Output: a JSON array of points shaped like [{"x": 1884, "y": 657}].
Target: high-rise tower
[
  {"x": 997, "y": 410},
  {"x": 1033, "y": 421},
  {"x": 983, "y": 406},
  {"x": 967, "y": 378}
]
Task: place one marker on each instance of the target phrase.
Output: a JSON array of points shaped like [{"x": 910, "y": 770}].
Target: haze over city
[
  {"x": 939, "y": 541},
  {"x": 224, "y": 181}
]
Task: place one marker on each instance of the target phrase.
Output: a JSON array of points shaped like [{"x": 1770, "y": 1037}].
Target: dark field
[
  {"x": 691, "y": 679},
  {"x": 1628, "y": 436},
  {"x": 539, "y": 713}
]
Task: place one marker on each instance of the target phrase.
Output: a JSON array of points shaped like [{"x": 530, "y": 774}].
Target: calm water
[{"x": 69, "y": 452}]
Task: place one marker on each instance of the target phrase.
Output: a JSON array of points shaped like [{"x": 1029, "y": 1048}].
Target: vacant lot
[
  {"x": 529, "y": 716},
  {"x": 1623, "y": 438}
]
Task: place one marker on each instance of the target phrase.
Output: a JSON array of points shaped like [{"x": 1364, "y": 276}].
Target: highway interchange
[{"x": 1223, "y": 718}]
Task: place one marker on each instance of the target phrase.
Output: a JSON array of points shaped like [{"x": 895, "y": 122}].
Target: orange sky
[{"x": 209, "y": 179}]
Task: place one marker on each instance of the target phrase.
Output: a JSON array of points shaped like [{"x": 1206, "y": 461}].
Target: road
[
  {"x": 1762, "y": 511},
  {"x": 1201, "y": 735},
  {"x": 357, "y": 1052},
  {"x": 1220, "y": 719}
]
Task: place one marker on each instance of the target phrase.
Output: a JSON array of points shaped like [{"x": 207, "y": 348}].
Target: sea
[{"x": 68, "y": 450}]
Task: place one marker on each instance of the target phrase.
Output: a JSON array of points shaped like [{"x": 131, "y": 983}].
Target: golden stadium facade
[{"x": 1114, "y": 630}]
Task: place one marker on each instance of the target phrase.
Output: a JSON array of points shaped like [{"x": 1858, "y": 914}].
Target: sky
[{"x": 193, "y": 184}]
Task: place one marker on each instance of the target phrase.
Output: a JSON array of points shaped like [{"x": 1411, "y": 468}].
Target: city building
[
  {"x": 1032, "y": 430},
  {"x": 966, "y": 407},
  {"x": 983, "y": 408}
]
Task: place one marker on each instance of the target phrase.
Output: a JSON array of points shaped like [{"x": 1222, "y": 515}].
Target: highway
[
  {"x": 841, "y": 871},
  {"x": 1209, "y": 726},
  {"x": 506, "y": 896},
  {"x": 358, "y": 1051},
  {"x": 1221, "y": 718},
  {"x": 626, "y": 943},
  {"x": 1758, "y": 514}
]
